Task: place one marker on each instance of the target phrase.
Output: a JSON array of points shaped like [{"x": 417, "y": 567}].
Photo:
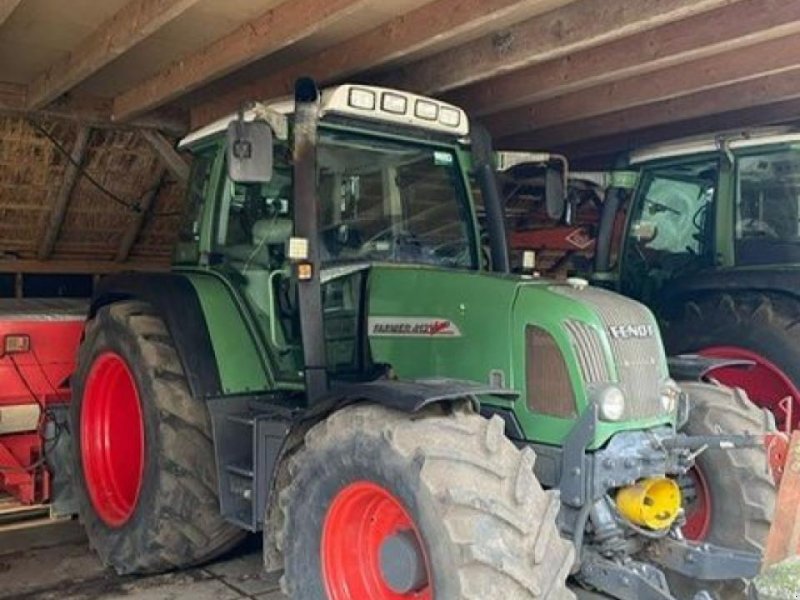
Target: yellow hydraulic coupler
[{"x": 653, "y": 503}]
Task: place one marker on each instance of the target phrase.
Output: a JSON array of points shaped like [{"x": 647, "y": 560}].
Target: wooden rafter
[
  {"x": 431, "y": 24},
  {"x": 759, "y": 91},
  {"x": 79, "y": 266},
  {"x": 279, "y": 27},
  {"x": 59, "y": 209},
  {"x": 739, "y": 25},
  {"x": 170, "y": 157},
  {"x": 137, "y": 222},
  {"x": 92, "y": 111},
  {"x": 134, "y": 22},
  {"x": 574, "y": 27},
  {"x": 6, "y": 8},
  {"x": 678, "y": 80}
]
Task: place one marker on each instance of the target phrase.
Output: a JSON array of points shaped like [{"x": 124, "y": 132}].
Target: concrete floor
[{"x": 72, "y": 572}]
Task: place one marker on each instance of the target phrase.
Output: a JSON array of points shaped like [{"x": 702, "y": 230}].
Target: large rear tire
[
  {"x": 762, "y": 328},
  {"x": 143, "y": 452},
  {"x": 731, "y": 499},
  {"x": 483, "y": 526}
]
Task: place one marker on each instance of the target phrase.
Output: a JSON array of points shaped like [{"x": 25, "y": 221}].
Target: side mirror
[
  {"x": 249, "y": 151},
  {"x": 555, "y": 193}
]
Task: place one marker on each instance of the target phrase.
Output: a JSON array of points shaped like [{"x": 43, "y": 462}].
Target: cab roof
[
  {"x": 363, "y": 102},
  {"x": 711, "y": 143}
]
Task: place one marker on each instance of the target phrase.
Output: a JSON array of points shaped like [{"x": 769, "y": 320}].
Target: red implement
[
  {"x": 784, "y": 535},
  {"x": 38, "y": 343}
]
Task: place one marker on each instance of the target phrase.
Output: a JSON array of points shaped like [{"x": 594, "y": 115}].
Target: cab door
[{"x": 670, "y": 232}]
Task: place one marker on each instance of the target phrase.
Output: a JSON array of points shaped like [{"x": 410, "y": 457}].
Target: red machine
[{"x": 38, "y": 344}]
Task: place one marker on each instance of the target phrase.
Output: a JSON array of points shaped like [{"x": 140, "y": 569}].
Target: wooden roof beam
[
  {"x": 766, "y": 90},
  {"x": 168, "y": 155},
  {"x": 80, "y": 266},
  {"x": 137, "y": 223},
  {"x": 678, "y": 80},
  {"x": 89, "y": 110},
  {"x": 433, "y": 23},
  {"x": 134, "y": 22},
  {"x": 726, "y": 28},
  {"x": 59, "y": 210},
  {"x": 560, "y": 32},
  {"x": 279, "y": 27},
  {"x": 6, "y": 8}
]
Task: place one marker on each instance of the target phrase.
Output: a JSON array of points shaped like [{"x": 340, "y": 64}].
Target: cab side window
[
  {"x": 187, "y": 250},
  {"x": 254, "y": 220},
  {"x": 670, "y": 231}
]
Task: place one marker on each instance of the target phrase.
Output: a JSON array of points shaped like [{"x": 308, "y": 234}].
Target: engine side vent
[
  {"x": 548, "y": 385},
  {"x": 589, "y": 350}
]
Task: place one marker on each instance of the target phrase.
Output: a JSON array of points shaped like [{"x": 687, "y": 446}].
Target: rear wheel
[
  {"x": 142, "y": 448},
  {"x": 729, "y": 497},
  {"x": 756, "y": 327},
  {"x": 387, "y": 506}
]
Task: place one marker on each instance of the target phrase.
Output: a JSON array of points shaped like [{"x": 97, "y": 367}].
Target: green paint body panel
[
  {"x": 239, "y": 357},
  {"x": 491, "y": 312}
]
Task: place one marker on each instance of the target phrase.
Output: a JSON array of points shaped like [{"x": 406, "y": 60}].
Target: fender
[
  {"x": 412, "y": 396},
  {"x": 175, "y": 300},
  {"x": 693, "y": 367}
]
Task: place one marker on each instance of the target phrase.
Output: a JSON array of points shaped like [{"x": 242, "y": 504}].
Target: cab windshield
[
  {"x": 391, "y": 201},
  {"x": 768, "y": 207}
]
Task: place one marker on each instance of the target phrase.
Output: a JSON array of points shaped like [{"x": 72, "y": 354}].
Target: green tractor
[
  {"x": 332, "y": 361},
  {"x": 712, "y": 244}
]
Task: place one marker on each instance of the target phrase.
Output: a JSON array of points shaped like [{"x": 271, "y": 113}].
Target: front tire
[
  {"x": 453, "y": 484},
  {"x": 733, "y": 491},
  {"x": 143, "y": 452}
]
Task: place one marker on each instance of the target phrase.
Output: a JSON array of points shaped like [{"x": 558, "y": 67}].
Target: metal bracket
[
  {"x": 574, "y": 480},
  {"x": 704, "y": 561},
  {"x": 631, "y": 581}
]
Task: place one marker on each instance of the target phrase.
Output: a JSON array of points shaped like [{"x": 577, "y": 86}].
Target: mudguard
[
  {"x": 413, "y": 395},
  {"x": 693, "y": 367},
  {"x": 175, "y": 299}
]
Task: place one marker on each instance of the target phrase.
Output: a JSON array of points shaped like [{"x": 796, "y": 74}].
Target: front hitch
[{"x": 704, "y": 561}]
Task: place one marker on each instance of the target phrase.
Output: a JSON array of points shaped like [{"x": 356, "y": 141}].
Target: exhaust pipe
[{"x": 306, "y": 226}]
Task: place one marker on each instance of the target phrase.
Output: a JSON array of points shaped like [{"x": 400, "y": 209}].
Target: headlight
[
  {"x": 670, "y": 394},
  {"x": 611, "y": 401}
]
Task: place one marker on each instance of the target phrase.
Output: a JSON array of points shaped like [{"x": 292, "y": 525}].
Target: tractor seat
[{"x": 269, "y": 240}]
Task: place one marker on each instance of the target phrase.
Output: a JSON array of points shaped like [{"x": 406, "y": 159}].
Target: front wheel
[
  {"x": 729, "y": 497},
  {"x": 383, "y": 505}
]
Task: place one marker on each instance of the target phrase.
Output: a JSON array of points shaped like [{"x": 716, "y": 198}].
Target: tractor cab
[
  {"x": 390, "y": 187},
  {"x": 699, "y": 205}
]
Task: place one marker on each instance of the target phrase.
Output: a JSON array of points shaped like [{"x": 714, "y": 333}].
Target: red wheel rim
[
  {"x": 112, "y": 439},
  {"x": 765, "y": 383},
  {"x": 698, "y": 509},
  {"x": 361, "y": 517}
]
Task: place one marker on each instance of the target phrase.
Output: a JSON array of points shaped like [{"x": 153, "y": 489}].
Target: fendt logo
[
  {"x": 626, "y": 332},
  {"x": 412, "y": 327}
]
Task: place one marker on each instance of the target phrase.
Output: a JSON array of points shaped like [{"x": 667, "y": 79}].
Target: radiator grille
[
  {"x": 589, "y": 350},
  {"x": 550, "y": 391},
  {"x": 640, "y": 361}
]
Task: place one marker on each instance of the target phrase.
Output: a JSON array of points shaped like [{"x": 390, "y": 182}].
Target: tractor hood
[{"x": 557, "y": 345}]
